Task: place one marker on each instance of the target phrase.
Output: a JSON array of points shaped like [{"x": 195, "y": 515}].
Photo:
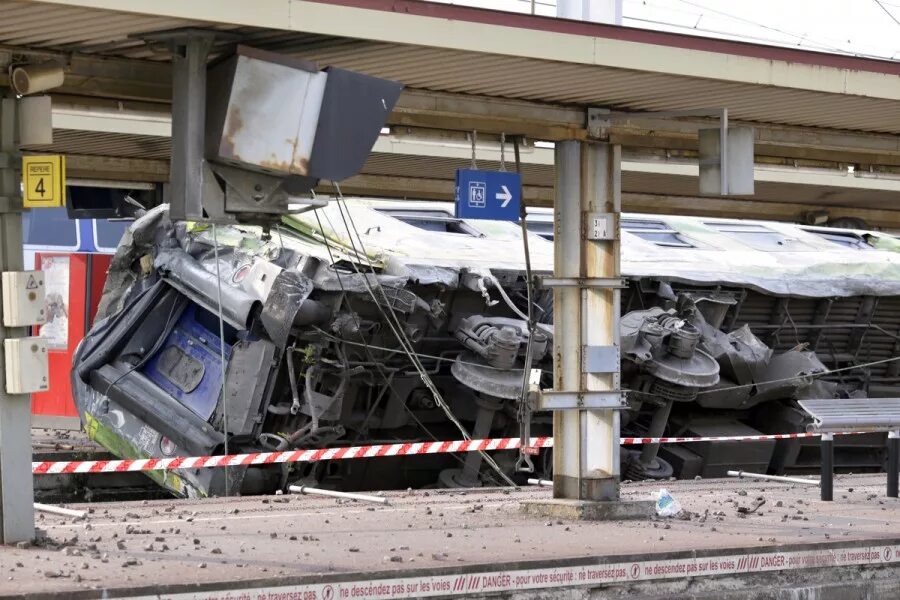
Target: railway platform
[{"x": 735, "y": 539}]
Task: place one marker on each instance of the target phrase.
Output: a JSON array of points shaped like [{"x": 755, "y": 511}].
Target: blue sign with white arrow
[{"x": 494, "y": 195}]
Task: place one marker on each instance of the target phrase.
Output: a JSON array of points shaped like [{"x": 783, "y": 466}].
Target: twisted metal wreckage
[{"x": 366, "y": 322}]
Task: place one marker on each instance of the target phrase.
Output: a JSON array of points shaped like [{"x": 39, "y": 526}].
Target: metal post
[
  {"x": 16, "y": 489},
  {"x": 657, "y": 429},
  {"x": 190, "y": 52},
  {"x": 827, "y": 478},
  {"x": 468, "y": 475},
  {"x": 893, "y": 465},
  {"x": 586, "y": 442}
]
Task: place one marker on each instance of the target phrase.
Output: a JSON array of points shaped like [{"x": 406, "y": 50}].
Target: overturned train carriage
[{"x": 369, "y": 322}]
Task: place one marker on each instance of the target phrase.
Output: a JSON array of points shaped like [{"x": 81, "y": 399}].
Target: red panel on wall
[
  {"x": 99, "y": 264},
  {"x": 65, "y": 282}
]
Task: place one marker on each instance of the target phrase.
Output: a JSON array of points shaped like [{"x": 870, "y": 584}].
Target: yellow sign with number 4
[{"x": 44, "y": 180}]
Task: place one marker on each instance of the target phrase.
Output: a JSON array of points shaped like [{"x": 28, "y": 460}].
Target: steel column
[
  {"x": 586, "y": 442},
  {"x": 893, "y": 465},
  {"x": 190, "y": 52},
  {"x": 16, "y": 487},
  {"x": 827, "y": 478}
]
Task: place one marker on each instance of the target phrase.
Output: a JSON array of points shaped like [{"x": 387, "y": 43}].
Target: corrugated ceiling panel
[
  {"x": 61, "y": 27},
  {"x": 112, "y": 34},
  {"x": 511, "y": 77}
]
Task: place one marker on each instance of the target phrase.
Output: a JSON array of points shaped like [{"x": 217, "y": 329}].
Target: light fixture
[{"x": 35, "y": 78}]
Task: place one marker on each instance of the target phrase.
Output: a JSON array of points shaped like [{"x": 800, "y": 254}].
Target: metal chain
[
  {"x": 474, "y": 139},
  {"x": 503, "y": 152}
]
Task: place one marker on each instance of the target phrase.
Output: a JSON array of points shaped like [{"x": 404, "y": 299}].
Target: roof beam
[
  {"x": 417, "y": 188},
  {"x": 117, "y": 169},
  {"x": 460, "y": 112},
  {"x": 738, "y": 208}
]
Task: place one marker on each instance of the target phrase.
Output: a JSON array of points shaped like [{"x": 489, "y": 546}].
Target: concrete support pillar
[
  {"x": 16, "y": 489},
  {"x": 585, "y": 442}
]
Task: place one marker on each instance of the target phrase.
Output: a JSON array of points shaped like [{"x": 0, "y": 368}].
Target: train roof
[{"x": 424, "y": 242}]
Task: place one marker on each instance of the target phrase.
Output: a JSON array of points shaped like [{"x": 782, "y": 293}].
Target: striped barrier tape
[{"x": 348, "y": 452}]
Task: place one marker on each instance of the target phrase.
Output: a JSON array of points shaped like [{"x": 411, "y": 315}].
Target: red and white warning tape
[
  {"x": 728, "y": 438},
  {"x": 406, "y": 449}
]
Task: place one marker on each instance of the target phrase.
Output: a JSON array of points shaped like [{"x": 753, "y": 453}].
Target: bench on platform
[{"x": 856, "y": 414}]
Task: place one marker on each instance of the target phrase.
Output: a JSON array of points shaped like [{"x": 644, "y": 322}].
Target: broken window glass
[
  {"x": 843, "y": 238},
  {"x": 434, "y": 220}
]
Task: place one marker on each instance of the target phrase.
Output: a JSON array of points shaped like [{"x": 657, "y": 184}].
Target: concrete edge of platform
[
  {"x": 585, "y": 510},
  {"x": 493, "y": 578}
]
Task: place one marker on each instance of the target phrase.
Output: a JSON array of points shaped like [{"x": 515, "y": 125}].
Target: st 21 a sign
[{"x": 494, "y": 195}]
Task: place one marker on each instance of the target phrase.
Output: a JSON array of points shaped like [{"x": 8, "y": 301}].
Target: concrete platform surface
[
  {"x": 447, "y": 543},
  {"x": 50, "y": 441},
  {"x": 48, "y": 444}
]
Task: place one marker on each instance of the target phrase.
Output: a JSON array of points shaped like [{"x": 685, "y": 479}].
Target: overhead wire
[
  {"x": 390, "y": 316},
  {"x": 800, "y": 37},
  {"x": 887, "y": 12},
  {"x": 397, "y": 327},
  {"x": 364, "y": 343},
  {"x": 718, "y": 33},
  {"x": 803, "y": 39}
]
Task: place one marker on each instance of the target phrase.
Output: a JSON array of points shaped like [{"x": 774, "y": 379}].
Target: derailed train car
[{"x": 377, "y": 321}]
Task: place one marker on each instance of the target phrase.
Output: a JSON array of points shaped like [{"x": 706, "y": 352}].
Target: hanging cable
[
  {"x": 503, "y": 152},
  {"x": 418, "y": 354},
  {"x": 474, "y": 140},
  {"x": 509, "y": 301},
  {"x": 887, "y": 12},
  {"x": 365, "y": 344},
  {"x": 397, "y": 329},
  {"x": 221, "y": 349},
  {"x": 523, "y": 412},
  {"x": 798, "y": 377}
]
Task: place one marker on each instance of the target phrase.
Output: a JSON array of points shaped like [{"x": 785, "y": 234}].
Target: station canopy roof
[{"x": 814, "y": 114}]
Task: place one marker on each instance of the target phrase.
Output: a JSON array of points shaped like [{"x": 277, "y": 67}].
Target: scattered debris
[
  {"x": 666, "y": 504},
  {"x": 743, "y": 510}
]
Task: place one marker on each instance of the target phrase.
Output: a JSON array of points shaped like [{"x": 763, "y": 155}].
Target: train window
[
  {"x": 657, "y": 232},
  {"x": 433, "y": 220},
  {"x": 108, "y": 233},
  {"x": 759, "y": 236},
  {"x": 542, "y": 228},
  {"x": 401, "y": 213},
  {"x": 50, "y": 228},
  {"x": 843, "y": 238},
  {"x": 183, "y": 370}
]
